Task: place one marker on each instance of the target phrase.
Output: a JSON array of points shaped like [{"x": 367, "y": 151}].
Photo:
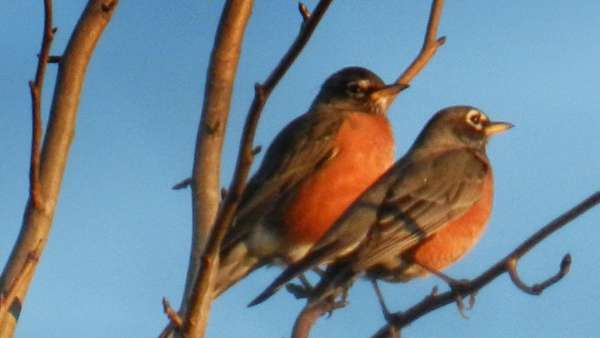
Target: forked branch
[
  {"x": 36, "y": 86},
  {"x": 507, "y": 264}
]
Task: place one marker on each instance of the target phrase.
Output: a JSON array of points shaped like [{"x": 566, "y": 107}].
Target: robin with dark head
[
  {"x": 425, "y": 213},
  {"x": 314, "y": 169}
]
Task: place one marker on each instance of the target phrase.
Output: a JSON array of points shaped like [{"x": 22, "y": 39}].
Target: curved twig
[
  {"x": 537, "y": 289},
  {"x": 433, "y": 302}
]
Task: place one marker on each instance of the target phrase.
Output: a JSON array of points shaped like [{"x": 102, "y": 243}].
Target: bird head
[
  {"x": 357, "y": 89},
  {"x": 460, "y": 126}
]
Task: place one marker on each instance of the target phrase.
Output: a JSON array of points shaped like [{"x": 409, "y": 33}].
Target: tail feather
[{"x": 308, "y": 262}]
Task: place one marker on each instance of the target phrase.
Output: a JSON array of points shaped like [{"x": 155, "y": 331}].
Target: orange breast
[
  {"x": 364, "y": 150},
  {"x": 455, "y": 239}
]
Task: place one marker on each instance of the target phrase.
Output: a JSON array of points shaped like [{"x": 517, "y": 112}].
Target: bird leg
[
  {"x": 394, "y": 332},
  {"x": 384, "y": 309}
]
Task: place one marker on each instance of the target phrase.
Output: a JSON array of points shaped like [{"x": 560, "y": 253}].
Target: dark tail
[{"x": 308, "y": 262}]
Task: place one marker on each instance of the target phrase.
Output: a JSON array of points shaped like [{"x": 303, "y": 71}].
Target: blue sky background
[{"x": 120, "y": 239}]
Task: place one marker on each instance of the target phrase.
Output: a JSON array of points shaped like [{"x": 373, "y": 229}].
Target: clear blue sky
[{"x": 121, "y": 237}]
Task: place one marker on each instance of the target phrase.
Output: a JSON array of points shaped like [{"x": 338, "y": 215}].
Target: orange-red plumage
[{"x": 364, "y": 149}]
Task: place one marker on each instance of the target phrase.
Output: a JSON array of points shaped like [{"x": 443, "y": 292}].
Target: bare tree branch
[
  {"x": 26, "y": 272},
  {"x": 430, "y": 45},
  {"x": 508, "y": 263},
  {"x": 37, "y": 221},
  {"x": 201, "y": 296},
  {"x": 205, "y": 181}
]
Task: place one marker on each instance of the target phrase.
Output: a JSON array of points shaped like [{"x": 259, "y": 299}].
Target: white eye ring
[{"x": 475, "y": 118}]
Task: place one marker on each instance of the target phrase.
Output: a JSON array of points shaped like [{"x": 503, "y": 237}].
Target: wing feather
[{"x": 430, "y": 193}]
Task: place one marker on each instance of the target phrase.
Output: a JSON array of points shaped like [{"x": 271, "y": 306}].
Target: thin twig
[
  {"x": 537, "y": 289},
  {"x": 431, "y": 44},
  {"x": 171, "y": 314},
  {"x": 36, "y": 86},
  {"x": 433, "y": 302},
  {"x": 201, "y": 295},
  {"x": 183, "y": 184}
]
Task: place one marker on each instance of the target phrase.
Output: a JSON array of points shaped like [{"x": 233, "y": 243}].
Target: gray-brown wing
[
  {"x": 429, "y": 193},
  {"x": 301, "y": 147},
  {"x": 351, "y": 229}
]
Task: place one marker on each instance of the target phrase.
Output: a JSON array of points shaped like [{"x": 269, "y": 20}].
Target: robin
[
  {"x": 426, "y": 212},
  {"x": 314, "y": 169}
]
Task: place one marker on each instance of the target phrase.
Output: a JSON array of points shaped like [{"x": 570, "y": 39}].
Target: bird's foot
[{"x": 462, "y": 288}]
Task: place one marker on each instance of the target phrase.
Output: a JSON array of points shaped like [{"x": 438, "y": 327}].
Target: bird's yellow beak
[
  {"x": 388, "y": 91},
  {"x": 493, "y": 128}
]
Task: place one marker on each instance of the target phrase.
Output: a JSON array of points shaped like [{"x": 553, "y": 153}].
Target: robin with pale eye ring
[
  {"x": 314, "y": 169},
  {"x": 425, "y": 213}
]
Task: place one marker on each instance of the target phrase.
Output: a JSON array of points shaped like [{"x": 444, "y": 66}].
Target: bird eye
[
  {"x": 354, "y": 87},
  {"x": 475, "y": 119}
]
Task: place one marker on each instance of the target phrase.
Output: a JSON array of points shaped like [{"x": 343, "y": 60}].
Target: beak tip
[{"x": 498, "y": 127}]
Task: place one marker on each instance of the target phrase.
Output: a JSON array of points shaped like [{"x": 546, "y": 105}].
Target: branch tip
[
  {"x": 304, "y": 11},
  {"x": 108, "y": 6},
  {"x": 171, "y": 314},
  {"x": 183, "y": 184},
  {"x": 538, "y": 288}
]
